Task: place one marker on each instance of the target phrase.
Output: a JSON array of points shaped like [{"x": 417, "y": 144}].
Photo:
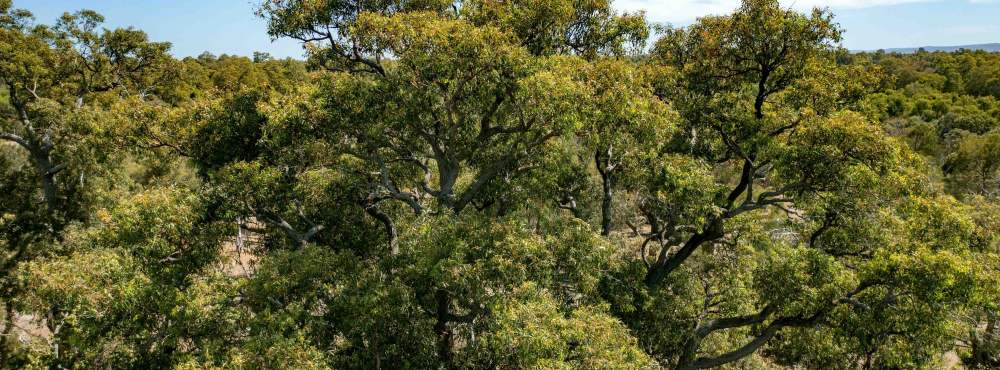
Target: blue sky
[{"x": 230, "y": 27}]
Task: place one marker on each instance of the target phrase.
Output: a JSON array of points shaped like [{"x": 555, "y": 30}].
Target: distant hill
[{"x": 994, "y": 47}]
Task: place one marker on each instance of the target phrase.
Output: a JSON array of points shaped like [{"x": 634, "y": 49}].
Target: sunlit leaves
[
  {"x": 531, "y": 332},
  {"x": 682, "y": 191}
]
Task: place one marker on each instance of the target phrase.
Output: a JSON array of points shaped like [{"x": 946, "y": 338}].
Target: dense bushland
[{"x": 496, "y": 184}]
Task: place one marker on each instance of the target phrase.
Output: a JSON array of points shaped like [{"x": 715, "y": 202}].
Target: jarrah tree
[
  {"x": 473, "y": 97},
  {"x": 769, "y": 174},
  {"x": 735, "y": 70},
  {"x": 50, "y": 71},
  {"x": 478, "y": 90},
  {"x": 625, "y": 129},
  {"x": 54, "y": 82}
]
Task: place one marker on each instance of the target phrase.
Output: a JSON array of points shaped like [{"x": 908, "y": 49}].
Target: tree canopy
[{"x": 496, "y": 184}]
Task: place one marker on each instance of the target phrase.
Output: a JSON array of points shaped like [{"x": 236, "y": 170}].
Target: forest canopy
[{"x": 496, "y": 184}]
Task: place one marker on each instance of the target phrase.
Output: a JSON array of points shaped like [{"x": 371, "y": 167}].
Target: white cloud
[
  {"x": 677, "y": 10},
  {"x": 682, "y": 11}
]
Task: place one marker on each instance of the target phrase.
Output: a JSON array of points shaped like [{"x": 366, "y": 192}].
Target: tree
[
  {"x": 624, "y": 128},
  {"x": 49, "y": 73},
  {"x": 768, "y": 172},
  {"x": 118, "y": 311},
  {"x": 975, "y": 163},
  {"x": 733, "y": 65},
  {"x": 55, "y": 81},
  {"x": 463, "y": 95}
]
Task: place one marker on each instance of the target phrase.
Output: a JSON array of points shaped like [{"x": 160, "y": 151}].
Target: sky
[{"x": 230, "y": 26}]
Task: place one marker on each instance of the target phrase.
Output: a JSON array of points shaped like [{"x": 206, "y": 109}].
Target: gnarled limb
[
  {"x": 688, "y": 362},
  {"x": 300, "y": 238},
  {"x": 14, "y": 138},
  {"x": 371, "y": 208},
  {"x": 602, "y": 160}
]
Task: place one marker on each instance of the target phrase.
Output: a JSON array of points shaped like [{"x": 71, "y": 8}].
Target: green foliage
[
  {"x": 586, "y": 27},
  {"x": 120, "y": 303},
  {"x": 496, "y": 184},
  {"x": 942, "y": 103},
  {"x": 531, "y": 332},
  {"x": 975, "y": 163}
]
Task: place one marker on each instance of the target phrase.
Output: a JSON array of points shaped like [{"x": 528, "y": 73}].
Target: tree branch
[
  {"x": 16, "y": 139},
  {"x": 769, "y": 331}
]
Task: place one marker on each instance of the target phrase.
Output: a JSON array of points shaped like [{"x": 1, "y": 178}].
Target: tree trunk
[
  {"x": 444, "y": 334},
  {"x": 976, "y": 357},
  {"x": 690, "y": 350},
  {"x": 601, "y": 162},
  {"x": 46, "y": 171},
  {"x": 448, "y": 175},
  {"x": 50, "y": 192},
  {"x": 606, "y": 206},
  {"x": 390, "y": 227},
  {"x": 40, "y": 152},
  {"x": 980, "y": 356},
  {"x": 6, "y": 334}
]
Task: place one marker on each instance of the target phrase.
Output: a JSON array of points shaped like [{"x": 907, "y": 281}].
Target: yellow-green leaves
[
  {"x": 109, "y": 283},
  {"x": 798, "y": 281},
  {"x": 327, "y": 28},
  {"x": 845, "y": 150},
  {"x": 530, "y": 331},
  {"x": 624, "y": 120},
  {"x": 682, "y": 191},
  {"x": 480, "y": 260},
  {"x": 761, "y": 41},
  {"x": 589, "y": 28}
]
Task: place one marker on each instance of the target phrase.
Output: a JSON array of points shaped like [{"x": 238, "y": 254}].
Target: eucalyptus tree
[
  {"x": 625, "y": 127},
  {"x": 55, "y": 81},
  {"x": 974, "y": 166},
  {"x": 438, "y": 108},
  {"x": 760, "y": 217},
  {"x": 473, "y": 90},
  {"x": 119, "y": 312},
  {"x": 731, "y": 66},
  {"x": 53, "y": 75}
]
